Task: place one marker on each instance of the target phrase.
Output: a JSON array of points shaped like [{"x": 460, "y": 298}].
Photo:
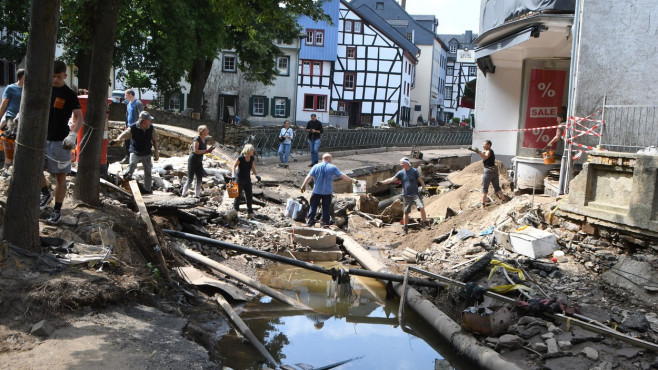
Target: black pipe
[
  {"x": 235, "y": 247},
  {"x": 334, "y": 273},
  {"x": 396, "y": 278}
]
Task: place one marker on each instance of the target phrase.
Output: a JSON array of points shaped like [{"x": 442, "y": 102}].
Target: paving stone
[
  {"x": 43, "y": 329},
  {"x": 590, "y": 353},
  {"x": 551, "y": 346},
  {"x": 564, "y": 345}
]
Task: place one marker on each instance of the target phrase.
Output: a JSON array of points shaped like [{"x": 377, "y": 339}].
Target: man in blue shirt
[
  {"x": 410, "y": 179},
  {"x": 11, "y": 103},
  {"x": 134, "y": 108},
  {"x": 323, "y": 175}
]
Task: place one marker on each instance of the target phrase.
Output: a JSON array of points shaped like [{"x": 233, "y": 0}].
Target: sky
[{"x": 455, "y": 16}]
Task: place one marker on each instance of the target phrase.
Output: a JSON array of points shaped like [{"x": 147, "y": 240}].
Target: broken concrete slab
[
  {"x": 590, "y": 353},
  {"x": 632, "y": 275},
  {"x": 197, "y": 277},
  {"x": 42, "y": 329},
  {"x": 509, "y": 341}
]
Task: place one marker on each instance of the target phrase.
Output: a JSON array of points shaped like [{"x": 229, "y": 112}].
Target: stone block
[
  {"x": 588, "y": 228},
  {"x": 533, "y": 243},
  {"x": 564, "y": 345},
  {"x": 43, "y": 329},
  {"x": 631, "y": 276},
  {"x": 551, "y": 345},
  {"x": 590, "y": 353}
]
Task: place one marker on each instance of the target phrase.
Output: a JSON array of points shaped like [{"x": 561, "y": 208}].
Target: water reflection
[{"x": 362, "y": 325}]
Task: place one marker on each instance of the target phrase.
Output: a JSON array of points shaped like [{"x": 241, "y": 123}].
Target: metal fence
[
  {"x": 267, "y": 144},
  {"x": 629, "y": 128}
]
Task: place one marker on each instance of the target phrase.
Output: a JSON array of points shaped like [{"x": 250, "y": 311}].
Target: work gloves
[
  {"x": 258, "y": 178},
  {"x": 303, "y": 188},
  {"x": 70, "y": 141},
  {"x": 424, "y": 192}
]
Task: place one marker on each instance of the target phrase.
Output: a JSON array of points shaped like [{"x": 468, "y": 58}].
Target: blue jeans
[
  {"x": 315, "y": 149},
  {"x": 284, "y": 149},
  {"x": 313, "y": 208}
]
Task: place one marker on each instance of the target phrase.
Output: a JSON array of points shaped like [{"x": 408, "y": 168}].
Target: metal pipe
[
  {"x": 255, "y": 252},
  {"x": 396, "y": 278}
]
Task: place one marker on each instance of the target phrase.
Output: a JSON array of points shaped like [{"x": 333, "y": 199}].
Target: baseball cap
[
  {"x": 145, "y": 115},
  {"x": 405, "y": 160}
]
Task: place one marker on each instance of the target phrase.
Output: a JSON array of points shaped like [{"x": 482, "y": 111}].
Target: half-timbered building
[{"x": 374, "y": 69}]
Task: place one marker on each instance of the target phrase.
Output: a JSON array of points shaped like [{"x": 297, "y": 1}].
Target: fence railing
[
  {"x": 629, "y": 128},
  {"x": 267, "y": 144}
]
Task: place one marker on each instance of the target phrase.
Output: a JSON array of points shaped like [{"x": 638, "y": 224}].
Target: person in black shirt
[
  {"x": 314, "y": 129},
  {"x": 242, "y": 168},
  {"x": 195, "y": 161},
  {"x": 62, "y": 137},
  {"x": 490, "y": 173},
  {"x": 143, "y": 143}
]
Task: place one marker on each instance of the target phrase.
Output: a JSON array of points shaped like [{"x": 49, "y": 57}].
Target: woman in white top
[{"x": 285, "y": 137}]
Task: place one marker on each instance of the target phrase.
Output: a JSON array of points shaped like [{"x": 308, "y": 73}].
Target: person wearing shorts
[
  {"x": 11, "y": 104},
  {"x": 410, "y": 179},
  {"x": 64, "y": 122},
  {"x": 490, "y": 173}
]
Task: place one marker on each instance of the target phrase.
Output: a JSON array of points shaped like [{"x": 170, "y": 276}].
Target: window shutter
[
  {"x": 251, "y": 105},
  {"x": 181, "y": 102},
  {"x": 273, "y": 108},
  {"x": 287, "y": 107},
  {"x": 266, "y": 106}
]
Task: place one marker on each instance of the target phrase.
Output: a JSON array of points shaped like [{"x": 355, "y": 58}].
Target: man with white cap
[
  {"x": 143, "y": 143},
  {"x": 410, "y": 179}
]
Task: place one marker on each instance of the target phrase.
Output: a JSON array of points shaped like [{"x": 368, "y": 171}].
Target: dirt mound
[{"x": 468, "y": 195}]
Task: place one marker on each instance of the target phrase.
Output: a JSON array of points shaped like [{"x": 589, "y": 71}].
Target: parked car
[{"x": 117, "y": 96}]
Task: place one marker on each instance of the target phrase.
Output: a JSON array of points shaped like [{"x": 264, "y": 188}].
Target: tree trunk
[
  {"x": 198, "y": 78},
  {"x": 83, "y": 62},
  {"x": 21, "y": 218},
  {"x": 87, "y": 187}
]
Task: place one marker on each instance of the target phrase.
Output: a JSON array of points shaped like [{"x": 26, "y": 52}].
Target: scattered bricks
[
  {"x": 551, "y": 346},
  {"x": 570, "y": 226},
  {"x": 588, "y": 228},
  {"x": 590, "y": 353},
  {"x": 564, "y": 345},
  {"x": 539, "y": 347},
  {"x": 43, "y": 329}
]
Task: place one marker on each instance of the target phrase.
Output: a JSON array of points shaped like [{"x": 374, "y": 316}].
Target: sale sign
[{"x": 544, "y": 104}]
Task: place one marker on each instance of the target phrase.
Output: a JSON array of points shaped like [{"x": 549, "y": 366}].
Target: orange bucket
[
  {"x": 232, "y": 189},
  {"x": 549, "y": 157}
]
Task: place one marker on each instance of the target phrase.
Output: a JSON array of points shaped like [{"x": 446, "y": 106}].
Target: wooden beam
[{"x": 155, "y": 252}]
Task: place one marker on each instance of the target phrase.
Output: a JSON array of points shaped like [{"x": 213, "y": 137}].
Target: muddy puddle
[{"x": 362, "y": 327}]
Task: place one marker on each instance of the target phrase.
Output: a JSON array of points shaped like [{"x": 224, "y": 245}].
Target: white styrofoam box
[
  {"x": 359, "y": 187},
  {"x": 533, "y": 242}
]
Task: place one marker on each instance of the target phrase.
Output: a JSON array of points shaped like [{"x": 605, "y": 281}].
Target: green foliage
[
  {"x": 455, "y": 120},
  {"x": 15, "y": 22},
  {"x": 138, "y": 79},
  {"x": 391, "y": 123}
]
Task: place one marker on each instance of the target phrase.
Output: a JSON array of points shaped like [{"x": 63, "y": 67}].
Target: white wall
[{"x": 497, "y": 108}]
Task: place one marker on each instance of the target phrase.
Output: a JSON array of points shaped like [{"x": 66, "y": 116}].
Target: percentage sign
[
  {"x": 541, "y": 136},
  {"x": 546, "y": 90}
]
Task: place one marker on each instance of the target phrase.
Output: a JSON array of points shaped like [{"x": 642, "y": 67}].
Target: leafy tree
[
  {"x": 139, "y": 80},
  {"x": 15, "y": 19}
]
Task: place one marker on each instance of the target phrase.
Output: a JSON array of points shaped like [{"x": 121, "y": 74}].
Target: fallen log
[
  {"x": 154, "y": 253},
  {"x": 240, "y": 277},
  {"x": 479, "y": 265},
  {"x": 244, "y": 329}
]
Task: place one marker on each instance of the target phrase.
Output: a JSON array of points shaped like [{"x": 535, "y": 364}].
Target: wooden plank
[
  {"x": 197, "y": 277},
  {"x": 114, "y": 187},
  {"x": 151, "y": 231}
]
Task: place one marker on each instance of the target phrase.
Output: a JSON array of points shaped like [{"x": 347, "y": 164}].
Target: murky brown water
[{"x": 363, "y": 326}]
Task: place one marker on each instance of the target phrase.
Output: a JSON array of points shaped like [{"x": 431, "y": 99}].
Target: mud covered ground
[{"x": 125, "y": 316}]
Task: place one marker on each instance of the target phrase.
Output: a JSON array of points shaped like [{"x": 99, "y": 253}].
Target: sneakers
[
  {"x": 427, "y": 225},
  {"x": 54, "y": 218},
  {"x": 44, "y": 199},
  {"x": 405, "y": 230}
]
